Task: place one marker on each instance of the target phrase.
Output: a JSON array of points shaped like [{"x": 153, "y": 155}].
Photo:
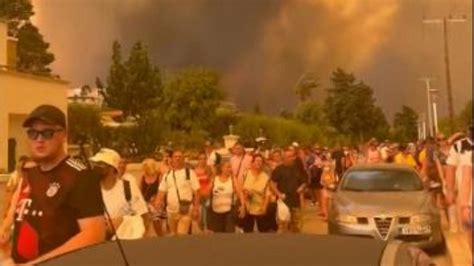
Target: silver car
[{"x": 386, "y": 202}]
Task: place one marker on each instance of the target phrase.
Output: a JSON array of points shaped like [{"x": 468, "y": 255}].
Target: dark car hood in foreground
[
  {"x": 383, "y": 203},
  {"x": 233, "y": 249}
]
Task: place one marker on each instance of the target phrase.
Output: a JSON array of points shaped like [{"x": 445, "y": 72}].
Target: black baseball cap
[{"x": 48, "y": 114}]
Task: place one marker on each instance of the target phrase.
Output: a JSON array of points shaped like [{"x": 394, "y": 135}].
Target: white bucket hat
[{"x": 108, "y": 156}]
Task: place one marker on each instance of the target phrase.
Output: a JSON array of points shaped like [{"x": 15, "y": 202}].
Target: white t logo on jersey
[{"x": 22, "y": 208}]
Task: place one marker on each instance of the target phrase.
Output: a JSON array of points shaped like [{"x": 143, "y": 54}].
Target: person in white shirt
[
  {"x": 460, "y": 157},
  {"x": 385, "y": 151},
  {"x": 223, "y": 198},
  {"x": 122, "y": 198},
  {"x": 180, "y": 186}
]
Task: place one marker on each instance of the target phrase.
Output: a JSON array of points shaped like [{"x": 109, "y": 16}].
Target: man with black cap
[{"x": 58, "y": 205}]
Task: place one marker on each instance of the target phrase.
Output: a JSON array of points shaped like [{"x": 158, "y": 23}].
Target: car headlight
[
  {"x": 346, "y": 219},
  {"x": 420, "y": 219}
]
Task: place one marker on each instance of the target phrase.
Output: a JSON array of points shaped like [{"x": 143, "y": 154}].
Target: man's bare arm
[
  {"x": 159, "y": 199},
  {"x": 275, "y": 190},
  {"x": 8, "y": 221},
  {"x": 92, "y": 231}
]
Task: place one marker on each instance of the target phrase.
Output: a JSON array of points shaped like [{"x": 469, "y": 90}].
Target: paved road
[{"x": 313, "y": 224}]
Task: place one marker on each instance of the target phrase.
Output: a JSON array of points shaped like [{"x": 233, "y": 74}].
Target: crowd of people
[
  {"x": 238, "y": 191},
  {"x": 56, "y": 204}
]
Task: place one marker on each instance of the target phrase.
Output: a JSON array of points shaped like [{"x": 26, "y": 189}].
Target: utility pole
[
  {"x": 432, "y": 124},
  {"x": 444, "y": 21},
  {"x": 435, "y": 111},
  {"x": 418, "y": 124},
  {"x": 423, "y": 125}
]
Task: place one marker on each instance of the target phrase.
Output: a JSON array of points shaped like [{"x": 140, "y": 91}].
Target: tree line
[{"x": 189, "y": 106}]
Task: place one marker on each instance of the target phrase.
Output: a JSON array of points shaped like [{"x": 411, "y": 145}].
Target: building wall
[
  {"x": 16, "y": 131},
  {"x": 3, "y": 43},
  {"x": 19, "y": 94},
  {"x": 12, "y": 52}
]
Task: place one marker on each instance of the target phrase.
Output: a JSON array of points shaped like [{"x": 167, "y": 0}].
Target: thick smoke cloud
[{"x": 262, "y": 47}]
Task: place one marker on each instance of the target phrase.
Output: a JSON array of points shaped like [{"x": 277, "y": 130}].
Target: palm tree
[{"x": 305, "y": 85}]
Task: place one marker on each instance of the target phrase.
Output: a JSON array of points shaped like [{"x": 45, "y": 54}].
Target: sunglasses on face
[{"x": 45, "y": 134}]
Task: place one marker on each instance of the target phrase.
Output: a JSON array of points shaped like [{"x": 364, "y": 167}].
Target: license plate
[{"x": 416, "y": 230}]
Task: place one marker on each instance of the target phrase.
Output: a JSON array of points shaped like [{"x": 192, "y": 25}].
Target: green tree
[
  {"x": 33, "y": 53},
  {"x": 191, "y": 98},
  {"x": 133, "y": 86},
  {"x": 226, "y": 115},
  {"x": 405, "y": 124},
  {"x": 465, "y": 117},
  {"x": 256, "y": 109},
  {"x": 379, "y": 125},
  {"x": 83, "y": 123},
  {"x": 151, "y": 131},
  {"x": 285, "y": 113},
  {"x": 310, "y": 112},
  {"x": 350, "y": 107},
  {"x": 16, "y": 12},
  {"x": 462, "y": 121},
  {"x": 278, "y": 130}
]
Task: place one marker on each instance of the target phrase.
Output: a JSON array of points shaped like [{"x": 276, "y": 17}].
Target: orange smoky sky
[{"x": 262, "y": 47}]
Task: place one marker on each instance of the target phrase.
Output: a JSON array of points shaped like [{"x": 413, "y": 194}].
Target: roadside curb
[{"x": 457, "y": 249}]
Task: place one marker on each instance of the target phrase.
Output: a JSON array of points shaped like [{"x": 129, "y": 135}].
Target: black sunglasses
[{"x": 46, "y": 134}]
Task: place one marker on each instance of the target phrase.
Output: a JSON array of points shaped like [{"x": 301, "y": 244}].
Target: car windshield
[{"x": 381, "y": 180}]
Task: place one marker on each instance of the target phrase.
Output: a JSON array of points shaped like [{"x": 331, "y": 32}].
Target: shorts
[{"x": 179, "y": 224}]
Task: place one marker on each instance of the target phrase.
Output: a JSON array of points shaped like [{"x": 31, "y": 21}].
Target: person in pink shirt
[
  {"x": 240, "y": 162},
  {"x": 373, "y": 153}
]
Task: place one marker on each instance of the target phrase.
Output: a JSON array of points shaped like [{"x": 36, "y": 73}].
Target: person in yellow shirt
[{"x": 405, "y": 157}]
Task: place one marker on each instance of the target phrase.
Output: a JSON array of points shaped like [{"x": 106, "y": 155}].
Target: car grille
[
  {"x": 362, "y": 220},
  {"x": 383, "y": 225}
]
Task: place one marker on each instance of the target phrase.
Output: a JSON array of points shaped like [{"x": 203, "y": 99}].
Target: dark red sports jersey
[{"x": 49, "y": 205}]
